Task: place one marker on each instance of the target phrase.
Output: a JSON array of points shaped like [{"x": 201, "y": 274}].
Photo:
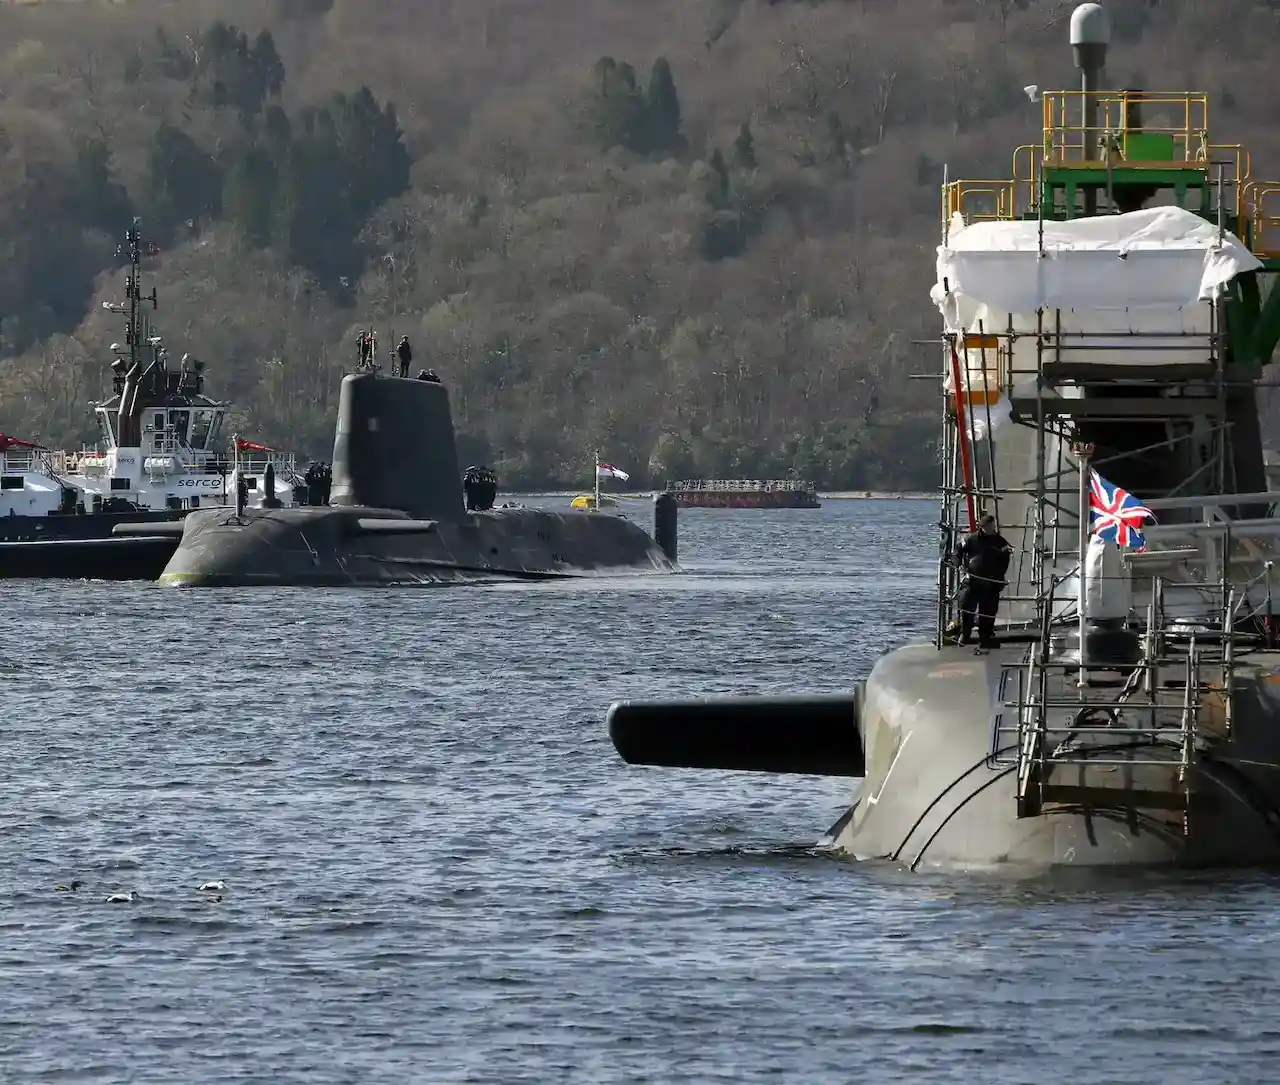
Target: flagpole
[
  {"x": 597, "y": 474},
  {"x": 1083, "y": 452}
]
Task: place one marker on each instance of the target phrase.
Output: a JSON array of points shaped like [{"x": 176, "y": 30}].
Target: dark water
[{"x": 438, "y": 870}]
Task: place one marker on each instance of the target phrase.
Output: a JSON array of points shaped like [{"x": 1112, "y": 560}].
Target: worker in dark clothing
[
  {"x": 405, "y": 355},
  {"x": 984, "y": 556},
  {"x": 428, "y": 375}
]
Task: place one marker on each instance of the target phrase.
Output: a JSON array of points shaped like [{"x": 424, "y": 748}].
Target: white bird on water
[
  {"x": 213, "y": 887},
  {"x": 122, "y": 898}
]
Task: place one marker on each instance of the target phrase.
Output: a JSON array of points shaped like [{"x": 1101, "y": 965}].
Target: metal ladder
[{"x": 1146, "y": 732}]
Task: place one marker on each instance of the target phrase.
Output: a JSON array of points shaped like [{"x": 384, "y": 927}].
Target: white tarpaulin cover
[
  {"x": 1160, "y": 256},
  {"x": 1118, "y": 286}
]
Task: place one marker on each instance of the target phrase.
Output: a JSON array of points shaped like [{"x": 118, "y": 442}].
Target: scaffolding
[
  {"x": 1078, "y": 732},
  {"x": 1058, "y": 719}
]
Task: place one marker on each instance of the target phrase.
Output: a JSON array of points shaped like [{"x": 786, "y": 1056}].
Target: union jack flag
[{"x": 1115, "y": 514}]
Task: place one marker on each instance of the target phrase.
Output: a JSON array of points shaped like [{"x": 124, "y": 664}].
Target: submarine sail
[{"x": 1106, "y": 315}]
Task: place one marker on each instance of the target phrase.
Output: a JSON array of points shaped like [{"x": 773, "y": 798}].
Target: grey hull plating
[
  {"x": 941, "y": 790},
  {"x": 353, "y": 545},
  {"x": 397, "y": 514}
]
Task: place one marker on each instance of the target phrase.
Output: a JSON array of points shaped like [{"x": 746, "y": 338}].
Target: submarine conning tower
[
  {"x": 394, "y": 447},
  {"x": 1106, "y": 312}
]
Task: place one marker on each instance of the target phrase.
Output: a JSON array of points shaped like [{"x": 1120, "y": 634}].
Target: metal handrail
[
  {"x": 752, "y": 484},
  {"x": 1112, "y": 118}
]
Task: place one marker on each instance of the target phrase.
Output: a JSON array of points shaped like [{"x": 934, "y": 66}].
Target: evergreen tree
[
  {"x": 344, "y": 160},
  {"x": 184, "y": 182},
  {"x": 96, "y": 199},
  {"x": 618, "y": 113},
  {"x": 663, "y": 109},
  {"x": 269, "y": 66},
  {"x": 838, "y": 143},
  {"x": 276, "y": 129},
  {"x": 239, "y": 75},
  {"x": 721, "y": 169},
  {"x": 744, "y": 148},
  {"x": 248, "y": 198}
]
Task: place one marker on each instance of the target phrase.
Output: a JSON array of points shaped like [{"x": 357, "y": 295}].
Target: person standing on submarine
[{"x": 984, "y": 557}]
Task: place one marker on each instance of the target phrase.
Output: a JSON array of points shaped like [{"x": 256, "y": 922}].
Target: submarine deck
[{"x": 352, "y": 545}]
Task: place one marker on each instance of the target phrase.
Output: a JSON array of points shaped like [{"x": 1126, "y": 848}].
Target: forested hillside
[{"x": 697, "y": 234}]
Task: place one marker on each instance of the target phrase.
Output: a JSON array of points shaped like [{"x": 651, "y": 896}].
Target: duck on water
[
  {"x": 1099, "y": 364},
  {"x": 158, "y": 460},
  {"x": 401, "y": 512}
]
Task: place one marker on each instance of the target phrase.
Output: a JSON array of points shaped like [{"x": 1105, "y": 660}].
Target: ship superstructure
[{"x": 163, "y": 439}]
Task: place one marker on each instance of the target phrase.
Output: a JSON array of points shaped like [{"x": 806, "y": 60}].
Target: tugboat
[
  {"x": 28, "y": 485},
  {"x": 158, "y": 461},
  {"x": 1099, "y": 362},
  {"x": 401, "y": 512}
]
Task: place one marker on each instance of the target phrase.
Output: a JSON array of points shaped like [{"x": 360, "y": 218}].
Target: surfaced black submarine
[
  {"x": 1099, "y": 363},
  {"x": 396, "y": 514}
]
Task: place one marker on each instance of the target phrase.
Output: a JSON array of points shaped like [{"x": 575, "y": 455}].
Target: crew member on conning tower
[
  {"x": 428, "y": 375},
  {"x": 984, "y": 556},
  {"x": 404, "y": 353}
]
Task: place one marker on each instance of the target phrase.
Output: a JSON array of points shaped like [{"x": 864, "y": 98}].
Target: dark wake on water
[{"x": 438, "y": 870}]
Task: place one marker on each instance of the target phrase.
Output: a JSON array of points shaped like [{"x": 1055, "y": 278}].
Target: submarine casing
[
  {"x": 939, "y": 790},
  {"x": 396, "y": 514},
  {"x": 930, "y": 734},
  {"x": 354, "y": 545}
]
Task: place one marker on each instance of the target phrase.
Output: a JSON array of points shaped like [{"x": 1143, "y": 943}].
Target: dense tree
[
  {"x": 95, "y": 198},
  {"x": 720, "y": 168},
  {"x": 348, "y": 158},
  {"x": 663, "y": 109},
  {"x": 535, "y": 217},
  {"x": 249, "y": 197},
  {"x": 744, "y": 148},
  {"x": 618, "y": 112},
  {"x": 185, "y": 181}
]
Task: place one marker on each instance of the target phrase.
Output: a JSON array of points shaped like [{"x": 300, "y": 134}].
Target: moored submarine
[
  {"x": 1098, "y": 369},
  {"x": 396, "y": 514}
]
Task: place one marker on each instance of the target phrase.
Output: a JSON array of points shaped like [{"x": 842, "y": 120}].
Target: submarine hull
[
  {"x": 942, "y": 777},
  {"x": 350, "y": 545},
  {"x": 397, "y": 515}
]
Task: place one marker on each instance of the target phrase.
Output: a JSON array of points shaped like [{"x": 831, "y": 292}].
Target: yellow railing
[
  {"x": 1235, "y": 178},
  {"x": 1026, "y": 179},
  {"x": 1262, "y": 202},
  {"x": 1177, "y": 137},
  {"x": 978, "y": 201}
]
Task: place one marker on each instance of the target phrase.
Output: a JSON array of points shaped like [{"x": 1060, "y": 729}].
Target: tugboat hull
[{"x": 82, "y": 546}]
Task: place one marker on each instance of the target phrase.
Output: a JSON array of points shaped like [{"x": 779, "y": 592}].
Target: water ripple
[{"x": 438, "y": 870}]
